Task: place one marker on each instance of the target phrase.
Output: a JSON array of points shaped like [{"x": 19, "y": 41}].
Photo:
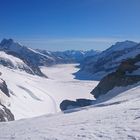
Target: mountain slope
[
  {"x": 30, "y": 57},
  {"x": 13, "y": 62},
  {"x": 116, "y": 119},
  {"x": 128, "y": 73},
  {"x": 97, "y": 67}
]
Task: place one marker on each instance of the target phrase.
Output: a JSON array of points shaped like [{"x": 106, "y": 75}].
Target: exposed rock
[
  {"x": 68, "y": 104},
  {"x": 118, "y": 78},
  {"x": 3, "y": 87},
  {"x": 5, "y": 114}
]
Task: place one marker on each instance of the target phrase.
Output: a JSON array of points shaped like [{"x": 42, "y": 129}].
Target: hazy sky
[{"x": 70, "y": 24}]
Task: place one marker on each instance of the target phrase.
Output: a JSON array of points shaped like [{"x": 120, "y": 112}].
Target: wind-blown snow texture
[{"x": 116, "y": 119}]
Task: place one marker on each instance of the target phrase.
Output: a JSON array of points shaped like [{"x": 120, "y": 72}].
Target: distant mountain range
[{"x": 17, "y": 56}]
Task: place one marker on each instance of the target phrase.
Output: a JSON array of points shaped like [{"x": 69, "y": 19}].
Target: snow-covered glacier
[{"x": 32, "y": 95}]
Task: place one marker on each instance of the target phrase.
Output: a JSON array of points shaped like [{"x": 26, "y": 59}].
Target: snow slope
[
  {"x": 116, "y": 119},
  {"x": 32, "y": 95},
  {"x": 13, "y": 62}
]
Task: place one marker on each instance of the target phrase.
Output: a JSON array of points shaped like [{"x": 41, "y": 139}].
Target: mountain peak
[
  {"x": 6, "y": 42},
  {"x": 10, "y": 45},
  {"x": 122, "y": 45},
  {"x": 127, "y": 42}
]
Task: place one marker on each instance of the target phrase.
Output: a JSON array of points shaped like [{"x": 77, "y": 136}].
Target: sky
[{"x": 70, "y": 24}]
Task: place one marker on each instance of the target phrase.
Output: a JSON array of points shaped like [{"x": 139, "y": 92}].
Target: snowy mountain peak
[
  {"x": 12, "y": 53},
  {"x": 122, "y": 45},
  {"x": 106, "y": 62},
  {"x": 10, "y": 45},
  {"x": 6, "y": 42}
]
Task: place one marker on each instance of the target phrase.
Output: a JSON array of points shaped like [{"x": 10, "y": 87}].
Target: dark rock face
[
  {"x": 3, "y": 88},
  {"x": 5, "y": 114},
  {"x": 68, "y": 104},
  {"x": 113, "y": 80},
  {"x": 118, "y": 78}
]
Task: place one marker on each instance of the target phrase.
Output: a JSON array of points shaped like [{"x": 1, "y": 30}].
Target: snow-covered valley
[{"x": 33, "y": 95}]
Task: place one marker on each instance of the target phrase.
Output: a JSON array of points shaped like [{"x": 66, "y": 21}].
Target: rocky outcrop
[
  {"x": 68, "y": 104},
  {"x": 3, "y": 87},
  {"x": 123, "y": 76},
  {"x": 5, "y": 114}
]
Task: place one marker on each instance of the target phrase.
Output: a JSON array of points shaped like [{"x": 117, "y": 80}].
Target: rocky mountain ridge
[
  {"x": 107, "y": 61},
  {"x": 125, "y": 75}
]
